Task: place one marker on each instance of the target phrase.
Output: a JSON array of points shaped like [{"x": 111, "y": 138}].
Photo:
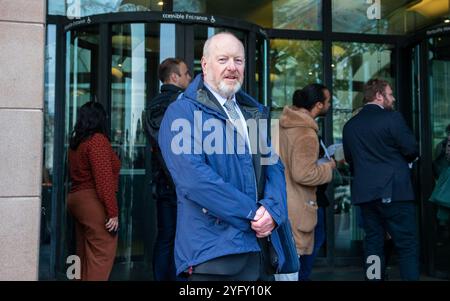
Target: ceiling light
[
  {"x": 117, "y": 73},
  {"x": 447, "y": 20},
  {"x": 430, "y": 8},
  {"x": 160, "y": 3}
]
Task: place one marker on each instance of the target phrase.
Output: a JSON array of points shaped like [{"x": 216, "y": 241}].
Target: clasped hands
[{"x": 262, "y": 223}]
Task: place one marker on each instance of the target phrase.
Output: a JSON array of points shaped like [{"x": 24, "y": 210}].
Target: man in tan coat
[{"x": 299, "y": 150}]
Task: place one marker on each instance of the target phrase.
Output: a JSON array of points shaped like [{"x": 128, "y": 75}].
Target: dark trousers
[
  {"x": 254, "y": 270},
  {"x": 163, "y": 254},
  {"x": 307, "y": 261},
  {"x": 397, "y": 218}
]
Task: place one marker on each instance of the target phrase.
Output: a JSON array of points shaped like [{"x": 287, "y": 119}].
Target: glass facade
[
  {"x": 293, "y": 65},
  {"x": 280, "y": 14},
  {"x": 298, "y": 51},
  {"x": 386, "y": 17},
  {"x": 83, "y": 8}
]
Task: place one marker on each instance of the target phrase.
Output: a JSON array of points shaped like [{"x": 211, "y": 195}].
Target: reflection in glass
[
  {"x": 439, "y": 95},
  {"x": 47, "y": 170},
  {"x": 82, "y": 8},
  {"x": 353, "y": 65},
  {"x": 395, "y": 17},
  {"x": 282, "y": 14},
  {"x": 56, "y": 7},
  {"x": 297, "y": 14},
  {"x": 81, "y": 73},
  {"x": 293, "y": 65},
  {"x": 135, "y": 59}
]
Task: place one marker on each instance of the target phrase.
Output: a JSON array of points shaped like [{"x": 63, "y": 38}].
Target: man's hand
[
  {"x": 263, "y": 223},
  {"x": 333, "y": 163}
]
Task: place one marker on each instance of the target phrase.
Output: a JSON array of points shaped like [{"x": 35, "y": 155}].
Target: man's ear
[
  {"x": 379, "y": 96},
  {"x": 173, "y": 77},
  {"x": 203, "y": 63}
]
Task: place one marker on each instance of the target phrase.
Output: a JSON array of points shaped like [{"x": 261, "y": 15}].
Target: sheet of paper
[
  {"x": 323, "y": 160},
  {"x": 333, "y": 148}
]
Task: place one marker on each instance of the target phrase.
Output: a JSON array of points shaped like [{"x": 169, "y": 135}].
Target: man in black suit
[
  {"x": 378, "y": 146},
  {"x": 175, "y": 76}
]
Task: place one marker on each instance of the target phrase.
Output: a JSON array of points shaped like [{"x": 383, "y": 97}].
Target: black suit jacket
[{"x": 378, "y": 145}]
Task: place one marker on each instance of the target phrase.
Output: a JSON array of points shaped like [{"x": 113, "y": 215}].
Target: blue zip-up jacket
[{"x": 218, "y": 192}]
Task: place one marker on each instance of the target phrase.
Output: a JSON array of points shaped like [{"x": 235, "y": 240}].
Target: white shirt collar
[
  {"x": 240, "y": 123},
  {"x": 372, "y": 103},
  {"x": 219, "y": 97}
]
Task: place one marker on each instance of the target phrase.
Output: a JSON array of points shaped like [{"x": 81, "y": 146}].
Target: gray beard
[{"x": 227, "y": 91}]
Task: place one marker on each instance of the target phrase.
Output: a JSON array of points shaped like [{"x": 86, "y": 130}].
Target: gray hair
[{"x": 209, "y": 40}]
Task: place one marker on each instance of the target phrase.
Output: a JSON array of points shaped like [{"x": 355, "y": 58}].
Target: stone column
[{"x": 22, "y": 46}]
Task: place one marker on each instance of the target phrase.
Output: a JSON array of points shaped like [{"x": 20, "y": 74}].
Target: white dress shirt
[{"x": 241, "y": 124}]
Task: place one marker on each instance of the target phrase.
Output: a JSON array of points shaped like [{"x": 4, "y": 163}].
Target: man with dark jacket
[
  {"x": 175, "y": 76},
  {"x": 378, "y": 146},
  {"x": 230, "y": 188}
]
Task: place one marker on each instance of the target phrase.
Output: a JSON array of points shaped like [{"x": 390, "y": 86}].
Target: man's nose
[{"x": 231, "y": 65}]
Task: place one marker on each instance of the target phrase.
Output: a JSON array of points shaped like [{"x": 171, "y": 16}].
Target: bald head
[
  {"x": 219, "y": 39},
  {"x": 223, "y": 63}
]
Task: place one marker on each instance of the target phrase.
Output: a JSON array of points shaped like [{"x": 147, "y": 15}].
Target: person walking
[
  {"x": 378, "y": 146},
  {"x": 175, "y": 77},
  {"x": 299, "y": 150},
  {"x": 94, "y": 174}
]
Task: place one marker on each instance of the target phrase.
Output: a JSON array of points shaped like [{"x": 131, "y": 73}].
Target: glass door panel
[
  {"x": 353, "y": 65},
  {"x": 136, "y": 52},
  {"x": 81, "y": 78},
  {"x": 293, "y": 65},
  {"x": 439, "y": 107},
  {"x": 47, "y": 209}
]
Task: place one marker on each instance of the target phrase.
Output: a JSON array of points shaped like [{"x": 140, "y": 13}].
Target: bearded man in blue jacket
[{"x": 231, "y": 189}]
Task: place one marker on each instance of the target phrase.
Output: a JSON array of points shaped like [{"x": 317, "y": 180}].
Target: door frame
[
  {"x": 184, "y": 26},
  {"x": 422, "y": 118}
]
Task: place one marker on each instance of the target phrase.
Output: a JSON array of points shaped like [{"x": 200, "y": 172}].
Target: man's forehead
[
  {"x": 183, "y": 65},
  {"x": 227, "y": 43},
  {"x": 227, "y": 50}
]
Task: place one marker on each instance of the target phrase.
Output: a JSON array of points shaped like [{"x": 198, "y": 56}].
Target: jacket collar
[
  {"x": 372, "y": 107},
  {"x": 199, "y": 94},
  {"x": 170, "y": 88},
  {"x": 293, "y": 117}
]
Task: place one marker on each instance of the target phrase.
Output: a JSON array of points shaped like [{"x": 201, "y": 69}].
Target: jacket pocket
[{"x": 307, "y": 218}]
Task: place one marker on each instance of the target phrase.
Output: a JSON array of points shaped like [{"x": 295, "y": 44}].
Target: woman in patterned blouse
[{"x": 94, "y": 173}]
